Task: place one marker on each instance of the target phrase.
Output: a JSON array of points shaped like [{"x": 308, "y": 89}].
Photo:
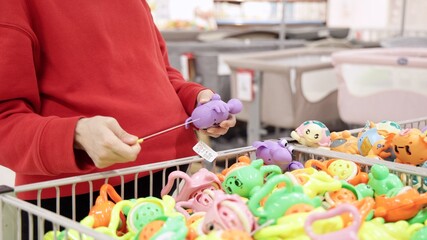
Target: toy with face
[
  {"x": 312, "y": 134},
  {"x": 276, "y": 153},
  {"x": 214, "y": 112},
  {"x": 243, "y": 180},
  {"x": 410, "y": 147}
]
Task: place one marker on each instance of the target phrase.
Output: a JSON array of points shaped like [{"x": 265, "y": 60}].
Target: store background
[{"x": 370, "y": 22}]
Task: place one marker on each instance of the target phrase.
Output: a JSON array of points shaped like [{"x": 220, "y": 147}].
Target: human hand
[
  {"x": 105, "y": 141},
  {"x": 216, "y": 131}
]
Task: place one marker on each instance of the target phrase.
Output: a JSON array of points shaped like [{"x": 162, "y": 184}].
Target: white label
[
  {"x": 244, "y": 85},
  {"x": 205, "y": 151}
]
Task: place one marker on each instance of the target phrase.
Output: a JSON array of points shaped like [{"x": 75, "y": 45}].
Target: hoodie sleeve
[{"x": 30, "y": 144}]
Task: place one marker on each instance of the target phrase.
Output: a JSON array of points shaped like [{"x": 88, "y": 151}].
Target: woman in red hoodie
[{"x": 80, "y": 81}]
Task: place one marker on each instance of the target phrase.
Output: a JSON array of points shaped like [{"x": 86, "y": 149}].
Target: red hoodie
[{"x": 65, "y": 59}]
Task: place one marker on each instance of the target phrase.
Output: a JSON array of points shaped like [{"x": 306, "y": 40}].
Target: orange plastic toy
[
  {"x": 410, "y": 146},
  {"x": 403, "y": 206},
  {"x": 101, "y": 211}
]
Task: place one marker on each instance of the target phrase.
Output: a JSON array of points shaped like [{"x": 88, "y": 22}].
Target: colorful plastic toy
[
  {"x": 193, "y": 186},
  {"x": 214, "y": 112},
  {"x": 348, "y": 233},
  {"x": 365, "y": 190},
  {"x": 341, "y": 169},
  {"x": 232, "y": 234},
  {"x": 278, "y": 153},
  {"x": 421, "y": 234},
  {"x": 292, "y": 226},
  {"x": 403, "y": 206},
  {"x": 367, "y": 139},
  {"x": 164, "y": 228},
  {"x": 385, "y": 127},
  {"x": 227, "y": 212},
  {"x": 312, "y": 134},
  {"x": 319, "y": 183},
  {"x": 410, "y": 146},
  {"x": 282, "y": 201},
  {"x": 101, "y": 211},
  {"x": 382, "y": 181},
  {"x": 378, "y": 230},
  {"x": 141, "y": 212},
  {"x": 344, "y": 142},
  {"x": 383, "y": 149},
  {"x": 244, "y": 179},
  {"x": 346, "y": 194}
]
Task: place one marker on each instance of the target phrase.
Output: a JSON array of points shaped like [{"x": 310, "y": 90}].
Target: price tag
[
  {"x": 244, "y": 82},
  {"x": 205, "y": 151}
]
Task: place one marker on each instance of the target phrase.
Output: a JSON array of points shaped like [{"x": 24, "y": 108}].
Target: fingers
[
  {"x": 223, "y": 127},
  {"x": 105, "y": 141}
]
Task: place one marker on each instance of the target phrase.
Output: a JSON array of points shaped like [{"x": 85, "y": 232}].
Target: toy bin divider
[
  {"x": 381, "y": 84},
  {"x": 11, "y": 207}
]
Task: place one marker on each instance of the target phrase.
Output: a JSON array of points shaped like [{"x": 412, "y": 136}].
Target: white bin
[{"x": 381, "y": 84}]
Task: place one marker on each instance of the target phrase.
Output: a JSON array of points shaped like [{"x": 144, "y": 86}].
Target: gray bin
[
  {"x": 290, "y": 87},
  {"x": 207, "y": 58}
]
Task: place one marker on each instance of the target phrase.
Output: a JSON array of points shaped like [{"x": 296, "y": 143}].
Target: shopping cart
[{"x": 11, "y": 207}]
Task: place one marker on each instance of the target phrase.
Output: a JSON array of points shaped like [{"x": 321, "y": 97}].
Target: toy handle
[
  {"x": 108, "y": 190},
  {"x": 348, "y": 233},
  {"x": 172, "y": 177}
]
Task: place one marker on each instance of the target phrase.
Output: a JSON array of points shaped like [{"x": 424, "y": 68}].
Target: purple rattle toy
[
  {"x": 213, "y": 112},
  {"x": 277, "y": 153}
]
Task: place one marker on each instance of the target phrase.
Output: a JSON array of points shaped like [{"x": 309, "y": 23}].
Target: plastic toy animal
[
  {"x": 214, "y": 112},
  {"x": 312, "y": 134},
  {"x": 382, "y": 181},
  {"x": 276, "y": 153},
  {"x": 242, "y": 180},
  {"x": 410, "y": 146}
]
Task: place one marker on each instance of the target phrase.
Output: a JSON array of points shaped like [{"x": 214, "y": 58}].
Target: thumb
[{"x": 205, "y": 96}]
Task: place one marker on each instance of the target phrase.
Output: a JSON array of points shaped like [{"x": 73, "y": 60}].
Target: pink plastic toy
[
  {"x": 214, "y": 112},
  {"x": 200, "y": 203},
  {"x": 228, "y": 211},
  {"x": 348, "y": 233},
  {"x": 312, "y": 134},
  {"x": 194, "y": 185}
]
